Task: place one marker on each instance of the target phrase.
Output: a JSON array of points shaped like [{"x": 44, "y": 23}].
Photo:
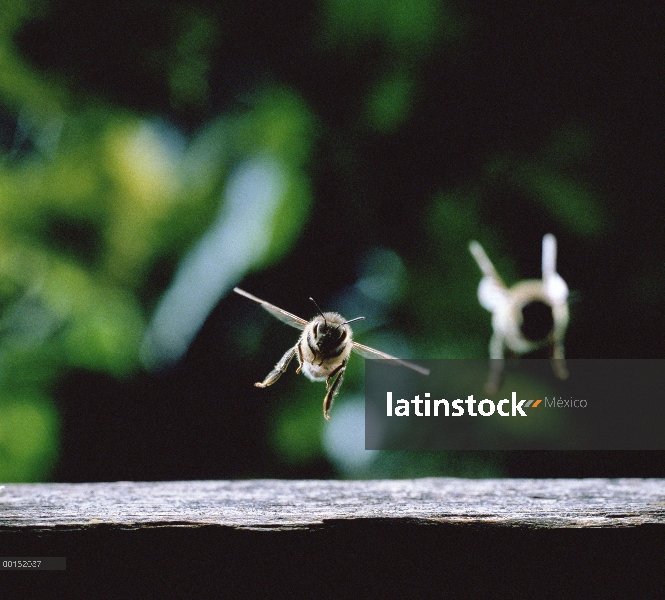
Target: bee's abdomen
[{"x": 537, "y": 321}]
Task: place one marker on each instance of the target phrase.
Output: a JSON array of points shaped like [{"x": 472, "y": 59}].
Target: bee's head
[{"x": 330, "y": 330}]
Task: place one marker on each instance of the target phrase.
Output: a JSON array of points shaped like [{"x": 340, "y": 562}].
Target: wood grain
[{"x": 284, "y": 504}]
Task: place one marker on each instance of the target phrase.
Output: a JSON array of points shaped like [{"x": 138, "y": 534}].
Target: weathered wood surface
[{"x": 282, "y": 504}]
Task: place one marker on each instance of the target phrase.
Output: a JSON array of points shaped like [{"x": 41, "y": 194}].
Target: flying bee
[
  {"x": 530, "y": 314},
  {"x": 323, "y": 349}
]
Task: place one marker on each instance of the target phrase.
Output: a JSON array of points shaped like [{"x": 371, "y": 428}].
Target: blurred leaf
[
  {"x": 279, "y": 124},
  {"x": 557, "y": 177},
  {"x": 389, "y": 103},
  {"x": 405, "y": 25},
  {"x": 28, "y": 437},
  {"x": 453, "y": 218},
  {"x": 567, "y": 201},
  {"x": 105, "y": 335},
  {"x": 190, "y": 61},
  {"x": 101, "y": 325},
  {"x": 297, "y": 431}
]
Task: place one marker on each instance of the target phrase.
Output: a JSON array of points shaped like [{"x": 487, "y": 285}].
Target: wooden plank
[{"x": 309, "y": 504}]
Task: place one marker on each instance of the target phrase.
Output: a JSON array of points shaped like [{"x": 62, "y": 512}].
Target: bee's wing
[
  {"x": 368, "y": 352},
  {"x": 282, "y": 315},
  {"x": 485, "y": 263}
]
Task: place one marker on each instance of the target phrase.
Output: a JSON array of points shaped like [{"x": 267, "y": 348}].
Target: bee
[
  {"x": 323, "y": 349},
  {"x": 530, "y": 314}
]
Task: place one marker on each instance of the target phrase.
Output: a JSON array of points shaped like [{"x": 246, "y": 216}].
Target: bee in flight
[
  {"x": 323, "y": 349},
  {"x": 526, "y": 316}
]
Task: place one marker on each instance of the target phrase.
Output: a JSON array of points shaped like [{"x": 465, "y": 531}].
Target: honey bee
[
  {"x": 530, "y": 314},
  {"x": 323, "y": 349}
]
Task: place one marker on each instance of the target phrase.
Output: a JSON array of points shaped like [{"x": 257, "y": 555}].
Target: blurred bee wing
[
  {"x": 484, "y": 262},
  {"x": 368, "y": 352},
  {"x": 282, "y": 315},
  {"x": 549, "y": 255}
]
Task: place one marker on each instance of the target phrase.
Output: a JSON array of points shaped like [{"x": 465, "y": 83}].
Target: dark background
[{"x": 570, "y": 92}]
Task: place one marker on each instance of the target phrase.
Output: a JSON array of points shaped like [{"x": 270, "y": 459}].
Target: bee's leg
[
  {"x": 300, "y": 358},
  {"x": 331, "y": 390},
  {"x": 558, "y": 360},
  {"x": 279, "y": 369},
  {"x": 495, "y": 377}
]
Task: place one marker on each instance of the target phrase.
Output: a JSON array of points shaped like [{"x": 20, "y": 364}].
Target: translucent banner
[{"x": 602, "y": 404}]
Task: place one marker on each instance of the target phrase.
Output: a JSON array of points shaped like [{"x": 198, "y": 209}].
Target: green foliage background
[{"x": 123, "y": 125}]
